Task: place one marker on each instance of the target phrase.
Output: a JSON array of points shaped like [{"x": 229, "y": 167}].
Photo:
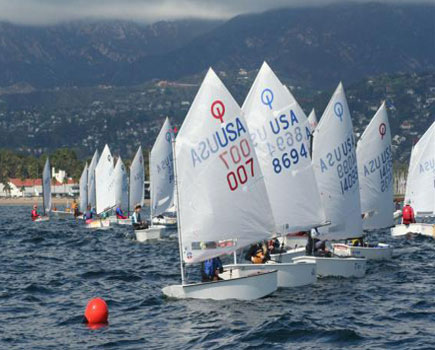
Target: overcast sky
[{"x": 42, "y": 12}]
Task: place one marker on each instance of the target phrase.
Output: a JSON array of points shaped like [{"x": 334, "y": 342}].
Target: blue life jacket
[
  {"x": 211, "y": 265},
  {"x": 119, "y": 211},
  {"x": 88, "y": 214}
]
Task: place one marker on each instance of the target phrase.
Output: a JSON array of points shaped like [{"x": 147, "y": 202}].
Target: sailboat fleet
[{"x": 237, "y": 176}]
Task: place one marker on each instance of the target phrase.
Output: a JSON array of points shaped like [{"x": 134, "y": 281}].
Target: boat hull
[
  {"x": 63, "y": 214},
  {"x": 289, "y": 274},
  {"x": 337, "y": 267},
  {"x": 151, "y": 233},
  {"x": 115, "y": 220},
  {"x": 42, "y": 218},
  {"x": 423, "y": 229},
  {"x": 239, "y": 285},
  {"x": 287, "y": 257},
  {"x": 98, "y": 224},
  {"x": 165, "y": 221},
  {"x": 379, "y": 252}
]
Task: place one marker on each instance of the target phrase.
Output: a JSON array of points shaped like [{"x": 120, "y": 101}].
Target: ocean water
[{"x": 50, "y": 270}]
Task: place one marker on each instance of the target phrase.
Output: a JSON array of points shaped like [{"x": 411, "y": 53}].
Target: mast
[{"x": 180, "y": 245}]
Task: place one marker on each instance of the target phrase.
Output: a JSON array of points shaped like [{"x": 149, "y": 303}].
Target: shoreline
[{"x": 29, "y": 201}]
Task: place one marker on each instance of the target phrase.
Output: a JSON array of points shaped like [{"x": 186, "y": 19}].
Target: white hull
[
  {"x": 240, "y": 285},
  {"x": 151, "y": 233},
  {"x": 165, "y": 221},
  {"x": 98, "y": 224},
  {"x": 42, "y": 218},
  {"x": 289, "y": 274},
  {"x": 115, "y": 220},
  {"x": 287, "y": 257},
  {"x": 295, "y": 241},
  {"x": 62, "y": 214},
  {"x": 379, "y": 252},
  {"x": 337, "y": 267},
  {"x": 418, "y": 228}
]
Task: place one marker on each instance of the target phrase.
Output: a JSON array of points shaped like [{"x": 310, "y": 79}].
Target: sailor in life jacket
[
  {"x": 136, "y": 220},
  {"x": 35, "y": 214},
  {"x": 119, "y": 212},
  {"x": 408, "y": 214},
  {"x": 257, "y": 254},
  {"x": 211, "y": 269},
  {"x": 88, "y": 214}
]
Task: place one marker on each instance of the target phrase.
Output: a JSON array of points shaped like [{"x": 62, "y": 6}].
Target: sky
[{"x": 46, "y": 12}]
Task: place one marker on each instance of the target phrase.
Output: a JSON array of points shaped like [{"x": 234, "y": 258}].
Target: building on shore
[{"x": 33, "y": 188}]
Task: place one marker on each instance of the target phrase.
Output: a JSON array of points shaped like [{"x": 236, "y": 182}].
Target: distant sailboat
[
  {"x": 420, "y": 185},
  {"x": 104, "y": 188},
  {"x": 335, "y": 167},
  {"x": 120, "y": 192},
  {"x": 92, "y": 199},
  {"x": 84, "y": 189},
  {"x": 222, "y": 200},
  {"x": 312, "y": 120},
  {"x": 162, "y": 178},
  {"x": 46, "y": 192},
  {"x": 375, "y": 173}
]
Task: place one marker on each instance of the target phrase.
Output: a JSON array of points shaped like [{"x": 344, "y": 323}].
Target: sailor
[
  {"x": 273, "y": 246},
  {"x": 138, "y": 224},
  {"x": 35, "y": 214},
  {"x": 408, "y": 216},
  {"x": 315, "y": 246},
  {"x": 257, "y": 254},
  {"x": 119, "y": 212},
  {"x": 75, "y": 209},
  {"x": 211, "y": 270},
  {"x": 88, "y": 215}
]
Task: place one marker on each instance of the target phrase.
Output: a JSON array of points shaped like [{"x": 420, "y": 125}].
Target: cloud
[{"x": 44, "y": 12}]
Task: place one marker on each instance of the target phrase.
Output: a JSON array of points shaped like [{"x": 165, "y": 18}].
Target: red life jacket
[
  {"x": 408, "y": 214},
  {"x": 34, "y": 214}
]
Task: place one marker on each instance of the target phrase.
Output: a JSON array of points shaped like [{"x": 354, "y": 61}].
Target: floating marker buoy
[{"x": 96, "y": 312}]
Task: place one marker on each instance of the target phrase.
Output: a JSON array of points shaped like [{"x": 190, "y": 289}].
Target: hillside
[{"x": 315, "y": 46}]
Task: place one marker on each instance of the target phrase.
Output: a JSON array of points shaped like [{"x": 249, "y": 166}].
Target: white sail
[
  {"x": 375, "y": 172},
  {"x": 223, "y": 203},
  {"x": 105, "y": 181},
  {"x": 162, "y": 171},
  {"x": 281, "y": 135},
  {"x": 121, "y": 184},
  {"x": 420, "y": 185},
  {"x": 46, "y": 187},
  {"x": 91, "y": 180},
  {"x": 312, "y": 120},
  {"x": 336, "y": 170},
  {"x": 137, "y": 179},
  {"x": 84, "y": 189}
]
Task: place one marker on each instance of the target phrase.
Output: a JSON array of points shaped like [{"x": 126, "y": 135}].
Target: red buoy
[{"x": 97, "y": 312}]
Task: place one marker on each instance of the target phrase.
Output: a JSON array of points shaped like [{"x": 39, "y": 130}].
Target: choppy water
[{"x": 49, "y": 271}]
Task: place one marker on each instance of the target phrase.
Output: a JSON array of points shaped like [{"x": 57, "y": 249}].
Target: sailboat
[
  {"x": 420, "y": 186},
  {"x": 104, "y": 189},
  {"x": 46, "y": 192},
  {"x": 281, "y": 135},
  {"x": 312, "y": 120},
  {"x": 120, "y": 192},
  {"x": 83, "y": 187},
  {"x": 136, "y": 194},
  {"x": 162, "y": 178},
  {"x": 336, "y": 171},
  {"x": 222, "y": 203},
  {"x": 92, "y": 199},
  {"x": 375, "y": 174}
]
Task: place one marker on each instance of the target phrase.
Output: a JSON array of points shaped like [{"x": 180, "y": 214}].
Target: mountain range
[{"x": 315, "y": 46}]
